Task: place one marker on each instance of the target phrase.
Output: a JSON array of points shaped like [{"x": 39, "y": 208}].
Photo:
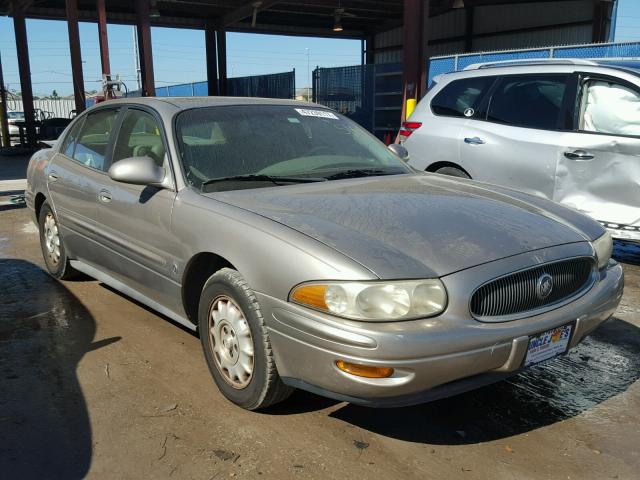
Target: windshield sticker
[
  {"x": 305, "y": 112},
  {"x": 293, "y": 120}
]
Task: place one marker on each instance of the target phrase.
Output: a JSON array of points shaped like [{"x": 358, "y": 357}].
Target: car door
[
  {"x": 599, "y": 169},
  {"x": 433, "y": 132},
  {"x": 136, "y": 219},
  {"x": 516, "y": 141},
  {"x": 74, "y": 177}
]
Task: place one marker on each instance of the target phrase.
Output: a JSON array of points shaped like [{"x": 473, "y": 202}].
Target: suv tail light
[{"x": 408, "y": 128}]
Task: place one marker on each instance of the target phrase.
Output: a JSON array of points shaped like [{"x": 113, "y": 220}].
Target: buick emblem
[{"x": 544, "y": 286}]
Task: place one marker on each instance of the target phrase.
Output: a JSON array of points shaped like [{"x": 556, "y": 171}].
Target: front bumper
[{"x": 434, "y": 357}]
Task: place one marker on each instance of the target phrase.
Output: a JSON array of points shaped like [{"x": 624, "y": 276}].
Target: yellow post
[{"x": 411, "y": 106}]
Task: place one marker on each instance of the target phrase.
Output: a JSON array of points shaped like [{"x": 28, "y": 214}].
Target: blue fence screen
[
  {"x": 274, "y": 85},
  {"x": 452, "y": 63}
]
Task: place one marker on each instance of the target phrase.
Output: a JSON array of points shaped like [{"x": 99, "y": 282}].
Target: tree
[{"x": 54, "y": 95}]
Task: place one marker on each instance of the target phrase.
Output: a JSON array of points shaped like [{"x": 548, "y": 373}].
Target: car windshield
[{"x": 251, "y": 146}]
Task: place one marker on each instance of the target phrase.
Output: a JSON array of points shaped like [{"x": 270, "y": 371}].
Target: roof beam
[{"x": 243, "y": 12}]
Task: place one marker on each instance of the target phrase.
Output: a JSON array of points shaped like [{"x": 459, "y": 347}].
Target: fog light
[{"x": 364, "y": 370}]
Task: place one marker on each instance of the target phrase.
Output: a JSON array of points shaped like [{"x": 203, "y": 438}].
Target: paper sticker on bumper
[{"x": 547, "y": 345}]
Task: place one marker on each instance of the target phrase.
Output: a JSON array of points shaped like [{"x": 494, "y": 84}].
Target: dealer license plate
[{"x": 547, "y": 345}]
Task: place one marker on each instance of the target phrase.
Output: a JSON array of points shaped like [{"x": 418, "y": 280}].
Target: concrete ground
[{"x": 95, "y": 385}]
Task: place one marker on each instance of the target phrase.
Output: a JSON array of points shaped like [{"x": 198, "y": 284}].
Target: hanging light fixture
[
  {"x": 458, "y": 4},
  {"x": 153, "y": 10},
  {"x": 337, "y": 19},
  {"x": 254, "y": 13}
]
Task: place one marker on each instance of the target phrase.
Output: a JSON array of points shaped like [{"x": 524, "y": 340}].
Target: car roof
[
  {"x": 183, "y": 103},
  {"x": 528, "y": 66}
]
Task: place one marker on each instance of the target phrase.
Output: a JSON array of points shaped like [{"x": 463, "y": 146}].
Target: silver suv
[{"x": 567, "y": 130}]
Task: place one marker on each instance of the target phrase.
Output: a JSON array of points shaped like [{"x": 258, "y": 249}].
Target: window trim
[
  {"x": 580, "y": 79},
  {"x": 565, "y": 107},
  {"x": 171, "y": 183}
]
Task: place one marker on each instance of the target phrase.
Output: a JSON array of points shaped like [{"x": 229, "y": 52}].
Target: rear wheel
[
  {"x": 236, "y": 344},
  {"x": 53, "y": 251},
  {"x": 452, "y": 172}
]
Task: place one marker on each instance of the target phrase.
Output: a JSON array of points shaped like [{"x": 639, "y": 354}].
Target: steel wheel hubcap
[
  {"x": 231, "y": 342},
  {"x": 52, "y": 238}
]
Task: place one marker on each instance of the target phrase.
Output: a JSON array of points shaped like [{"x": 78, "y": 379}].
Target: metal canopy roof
[{"x": 289, "y": 17}]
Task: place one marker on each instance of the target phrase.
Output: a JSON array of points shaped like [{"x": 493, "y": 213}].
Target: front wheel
[{"x": 236, "y": 344}]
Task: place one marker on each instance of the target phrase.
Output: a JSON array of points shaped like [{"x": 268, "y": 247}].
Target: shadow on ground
[
  {"x": 603, "y": 366},
  {"x": 44, "y": 332}
]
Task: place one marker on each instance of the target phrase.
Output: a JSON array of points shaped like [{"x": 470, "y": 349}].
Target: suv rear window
[
  {"x": 530, "y": 101},
  {"x": 460, "y": 95}
]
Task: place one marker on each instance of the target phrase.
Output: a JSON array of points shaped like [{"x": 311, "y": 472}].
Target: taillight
[{"x": 408, "y": 128}]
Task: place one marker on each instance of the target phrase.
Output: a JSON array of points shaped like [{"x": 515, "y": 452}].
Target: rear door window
[
  {"x": 70, "y": 140},
  {"x": 530, "y": 101},
  {"x": 461, "y": 98},
  {"x": 91, "y": 147}
]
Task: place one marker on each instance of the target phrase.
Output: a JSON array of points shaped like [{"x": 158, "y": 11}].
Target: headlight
[
  {"x": 396, "y": 300},
  {"x": 603, "y": 247}
]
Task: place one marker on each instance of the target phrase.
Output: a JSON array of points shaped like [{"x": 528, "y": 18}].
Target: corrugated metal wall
[
  {"x": 540, "y": 23},
  {"x": 51, "y": 108}
]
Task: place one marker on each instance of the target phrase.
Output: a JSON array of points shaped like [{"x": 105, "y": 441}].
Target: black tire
[
  {"x": 452, "y": 172},
  {"x": 60, "y": 267},
  {"x": 264, "y": 387}
]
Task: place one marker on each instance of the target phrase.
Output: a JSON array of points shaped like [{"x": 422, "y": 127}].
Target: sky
[
  {"x": 628, "y": 21},
  {"x": 179, "y": 55}
]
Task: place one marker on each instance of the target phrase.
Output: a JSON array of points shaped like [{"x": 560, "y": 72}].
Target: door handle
[
  {"x": 474, "y": 141},
  {"x": 104, "y": 196},
  {"x": 578, "y": 155},
  {"x": 53, "y": 176}
]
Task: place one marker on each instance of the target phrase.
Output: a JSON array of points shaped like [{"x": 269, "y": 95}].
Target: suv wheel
[
  {"x": 236, "y": 344},
  {"x": 452, "y": 172}
]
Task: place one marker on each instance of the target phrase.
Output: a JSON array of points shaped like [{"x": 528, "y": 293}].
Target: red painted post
[
  {"x": 104, "y": 43},
  {"x": 76, "y": 55},
  {"x": 144, "y": 48},
  {"x": 24, "y": 71}
]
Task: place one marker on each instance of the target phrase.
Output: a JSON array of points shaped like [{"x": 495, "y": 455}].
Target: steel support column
[
  {"x": 601, "y": 11},
  {"x": 4, "y": 123},
  {"x": 76, "y": 55},
  {"x": 104, "y": 44},
  {"x": 143, "y": 29},
  {"x": 413, "y": 58},
  {"x": 212, "y": 59},
  {"x": 222, "y": 60},
  {"x": 24, "y": 70},
  {"x": 371, "y": 49},
  {"x": 468, "y": 34}
]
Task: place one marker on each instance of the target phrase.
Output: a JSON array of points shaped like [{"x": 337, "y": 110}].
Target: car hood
[{"x": 417, "y": 225}]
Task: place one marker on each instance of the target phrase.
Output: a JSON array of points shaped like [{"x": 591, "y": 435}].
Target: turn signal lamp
[{"x": 366, "y": 371}]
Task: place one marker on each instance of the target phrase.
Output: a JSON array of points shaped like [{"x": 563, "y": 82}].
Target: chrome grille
[{"x": 517, "y": 293}]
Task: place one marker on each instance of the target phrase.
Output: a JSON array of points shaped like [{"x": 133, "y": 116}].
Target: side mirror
[
  {"x": 399, "y": 151},
  {"x": 138, "y": 171}
]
